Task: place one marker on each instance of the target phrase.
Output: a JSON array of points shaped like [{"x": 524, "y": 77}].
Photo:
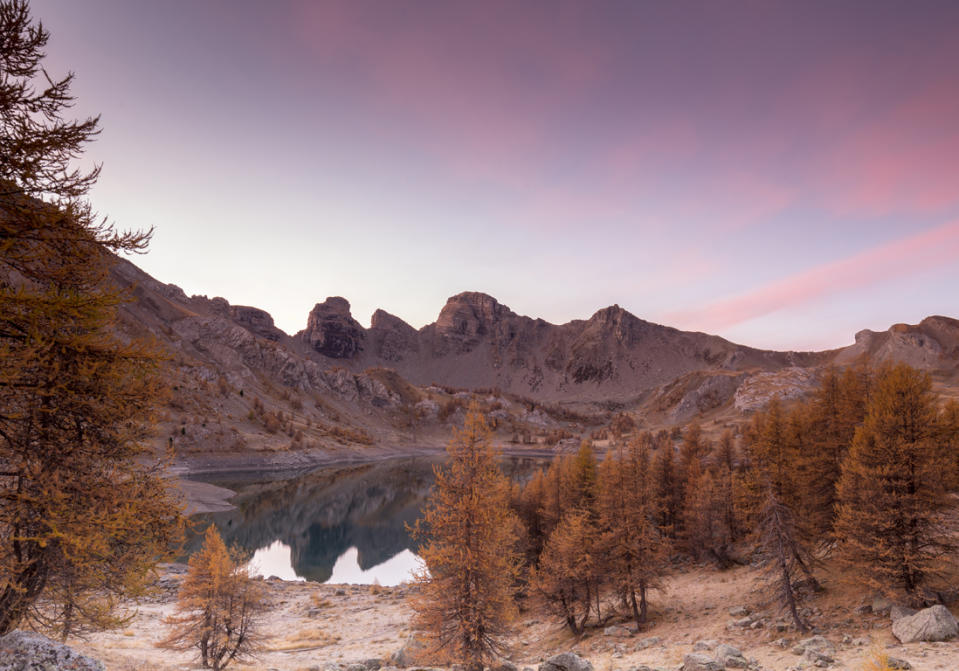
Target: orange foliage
[{"x": 464, "y": 599}]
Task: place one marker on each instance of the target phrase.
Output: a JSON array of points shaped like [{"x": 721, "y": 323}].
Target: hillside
[{"x": 336, "y": 390}]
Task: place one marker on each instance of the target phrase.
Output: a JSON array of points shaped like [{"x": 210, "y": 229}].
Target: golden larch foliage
[
  {"x": 464, "y": 596},
  {"x": 220, "y": 607},
  {"x": 892, "y": 490}
]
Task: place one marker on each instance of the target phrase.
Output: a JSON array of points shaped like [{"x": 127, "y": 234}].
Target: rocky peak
[
  {"x": 332, "y": 331},
  {"x": 614, "y": 321},
  {"x": 469, "y": 317},
  {"x": 392, "y": 338},
  {"x": 256, "y": 321},
  {"x": 471, "y": 313},
  {"x": 383, "y": 320}
]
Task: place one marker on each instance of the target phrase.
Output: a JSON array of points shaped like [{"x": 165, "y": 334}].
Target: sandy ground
[{"x": 312, "y": 625}]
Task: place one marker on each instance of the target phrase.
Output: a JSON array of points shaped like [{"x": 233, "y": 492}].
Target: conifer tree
[
  {"x": 464, "y": 600},
  {"x": 668, "y": 490},
  {"x": 768, "y": 497},
  {"x": 949, "y": 440},
  {"x": 634, "y": 546},
  {"x": 892, "y": 491},
  {"x": 837, "y": 408},
  {"x": 708, "y": 516},
  {"x": 568, "y": 570},
  {"x": 83, "y": 516},
  {"x": 529, "y": 508},
  {"x": 583, "y": 478},
  {"x": 220, "y": 607}
]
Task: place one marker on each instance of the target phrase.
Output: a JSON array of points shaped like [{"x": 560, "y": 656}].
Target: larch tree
[
  {"x": 464, "y": 598},
  {"x": 768, "y": 497},
  {"x": 220, "y": 607},
  {"x": 836, "y": 409},
  {"x": 669, "y": 490},
  {"x": 635, "y": 549},
  {"x": 568, "y": 571},
  {"x": 892, "y": 491},
  {"x": 84, "y": 511},
  {"x": 949, "y": 439}
]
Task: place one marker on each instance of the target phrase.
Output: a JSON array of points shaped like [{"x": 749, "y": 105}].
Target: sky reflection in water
[{"x": 277, "y": 560}]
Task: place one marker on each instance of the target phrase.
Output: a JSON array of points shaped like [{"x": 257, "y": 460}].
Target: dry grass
[
  {"x": 876, "y": 661},
  {"x": 319, "y": 601},
  {"x": 305, "y": 639}
]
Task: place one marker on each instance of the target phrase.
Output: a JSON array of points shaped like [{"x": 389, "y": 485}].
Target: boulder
[
  {"x": 27, "y": 651},
  {"x": 706, "y": 644},
  {"x": 897, "y": 612},
  {"x": 819, "y": 644},
  {"x": 695, "y": 661},
  {"x": 409, "y": 654},
  {"x": 930, "y": 624},
  {"x": 504, "y": 665},
  {"x": 730, "y": 657},
  {"x": 567, "y": 661},
  {"x": 648, "y": 642},
  {"x": 817, "y": 658}
]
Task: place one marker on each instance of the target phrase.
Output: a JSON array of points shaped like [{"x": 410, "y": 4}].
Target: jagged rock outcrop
[
  {"x": 332, "y": 331},
  {"x": 611, "y": 360},
  {"x": 390, "y": 337},
  {"x": 469, "y": 318},
  {"x": 932, "y": 344},
  {"x": 256, "y": 321}
]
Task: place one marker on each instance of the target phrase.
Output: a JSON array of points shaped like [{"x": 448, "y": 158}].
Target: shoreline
[{"x": 191, "y": 472}]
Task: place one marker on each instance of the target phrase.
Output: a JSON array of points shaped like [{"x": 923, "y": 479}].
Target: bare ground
[{"x": 312, "y": 625}]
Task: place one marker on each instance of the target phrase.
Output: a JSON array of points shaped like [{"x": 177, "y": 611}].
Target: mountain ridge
[{"x": 242, "y": 383}]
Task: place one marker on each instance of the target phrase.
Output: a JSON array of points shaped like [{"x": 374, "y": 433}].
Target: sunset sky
[{"x": 782, "y": 174}]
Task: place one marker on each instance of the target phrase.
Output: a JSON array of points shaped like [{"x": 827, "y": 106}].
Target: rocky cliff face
[
  {"x": 476, "y": 342},
  {"x": 932, "y": 344},
  {"x": 332, "y": 331},
  {"x": 337, "y": 381}
]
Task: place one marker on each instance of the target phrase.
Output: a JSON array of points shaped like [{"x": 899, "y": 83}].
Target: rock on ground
[
  {"x": 929, "y": 624},
  {"x": 29, "y": 651},
  {"x": 730, "y": 657},
  {"x": 698, "y": 662},
  {"x": 409, "y": 654},
  {"x": 566, "y": 661}
]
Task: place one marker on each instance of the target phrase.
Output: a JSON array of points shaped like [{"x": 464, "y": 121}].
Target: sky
[{"x": 782, "y": 174}]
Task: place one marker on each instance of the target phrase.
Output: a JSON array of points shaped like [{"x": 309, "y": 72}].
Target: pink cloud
[{"x": 929, "y": 249}]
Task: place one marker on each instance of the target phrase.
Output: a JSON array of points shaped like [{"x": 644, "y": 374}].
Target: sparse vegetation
[{"x": 221, "y": 608}]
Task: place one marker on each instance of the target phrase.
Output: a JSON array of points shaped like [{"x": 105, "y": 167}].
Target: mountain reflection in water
[{"x": 345, "y": 523}]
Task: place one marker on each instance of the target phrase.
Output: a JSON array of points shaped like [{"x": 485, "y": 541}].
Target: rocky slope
[
  {"x": 478, "y": 342},
  {"x": 337, "y": 389}
]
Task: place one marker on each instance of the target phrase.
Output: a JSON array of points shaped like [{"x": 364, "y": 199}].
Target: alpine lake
[{"x": 333, "y": 524}]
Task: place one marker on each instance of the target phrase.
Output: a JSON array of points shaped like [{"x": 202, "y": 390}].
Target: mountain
[
  {"x": 476, "y": 342},
  {"x": 242, "y": 385}
]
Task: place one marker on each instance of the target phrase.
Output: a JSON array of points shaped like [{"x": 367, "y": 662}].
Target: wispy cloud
[{"x": 928, "y": 249}]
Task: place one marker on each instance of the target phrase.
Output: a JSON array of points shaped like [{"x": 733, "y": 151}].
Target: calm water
[{"x": 344, "y": 524}]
